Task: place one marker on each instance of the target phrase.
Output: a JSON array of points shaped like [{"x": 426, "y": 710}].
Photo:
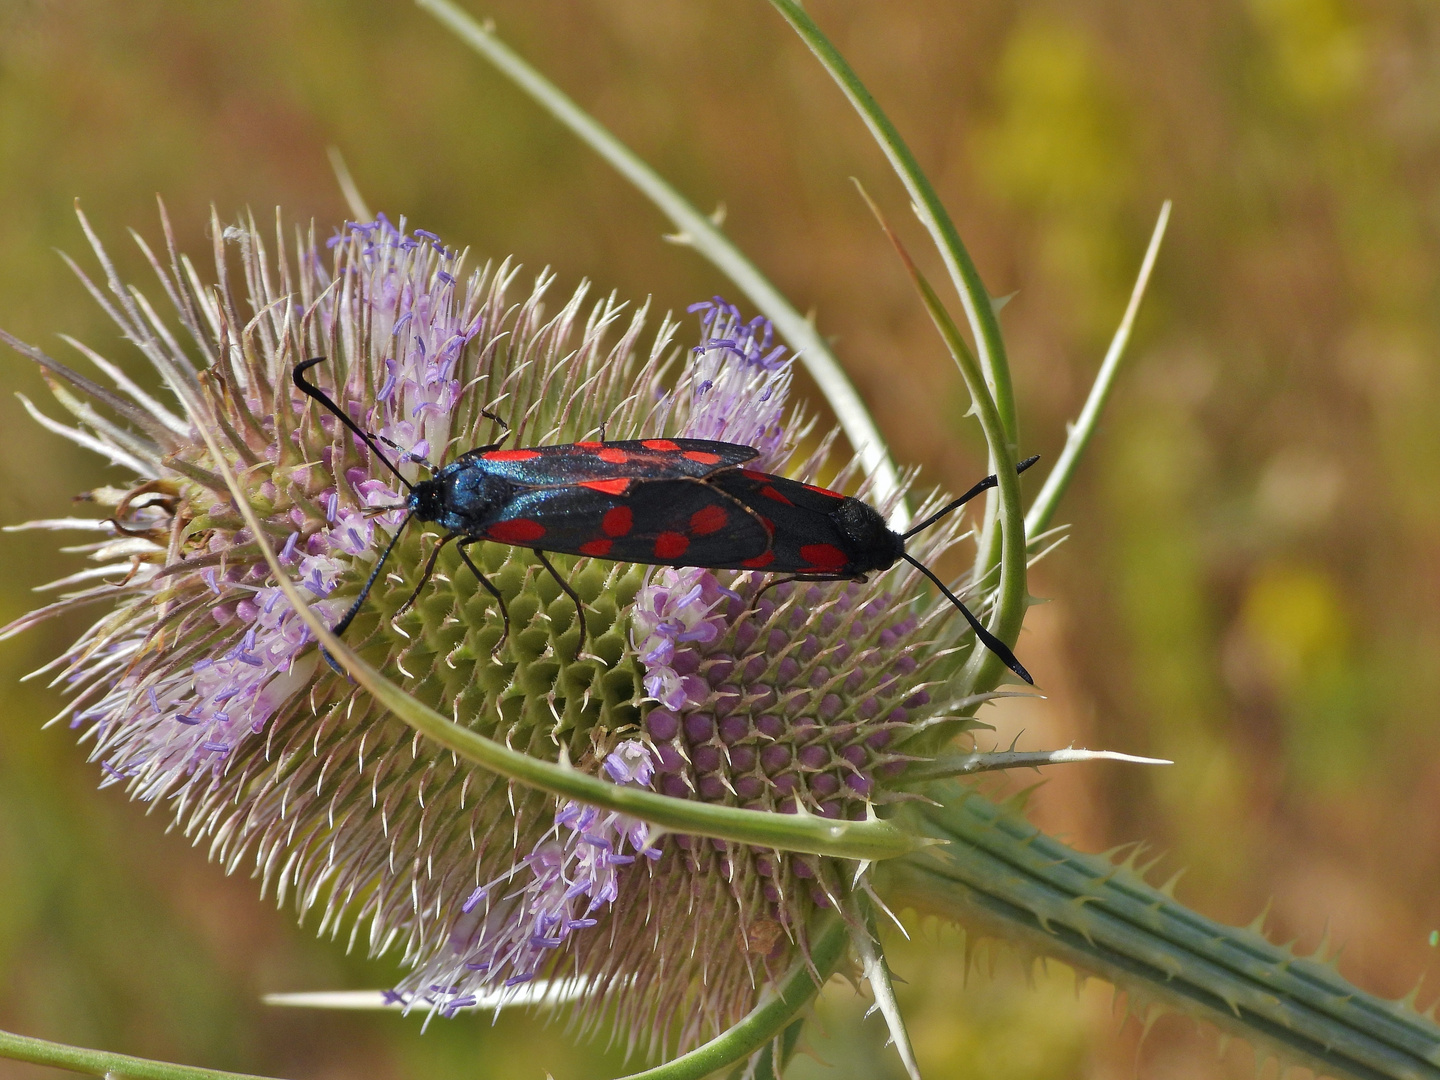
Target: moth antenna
[
  {"x": 949, "y": 508},
  {"x": 989, "y": 640},
  {"x": 349, "y": 617},
  {"x": 311, "y": 390},
  {"x": 424, "y": 463}
]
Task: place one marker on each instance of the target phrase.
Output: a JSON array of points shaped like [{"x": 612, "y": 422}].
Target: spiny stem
[{"x": 1000, "y": 876}]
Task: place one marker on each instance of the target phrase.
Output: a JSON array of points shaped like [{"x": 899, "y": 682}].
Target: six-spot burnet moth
[{"x": 664, "y": 502}]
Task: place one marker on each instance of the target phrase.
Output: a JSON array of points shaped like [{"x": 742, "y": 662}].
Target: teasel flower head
[{"x": 200, "y": 687}]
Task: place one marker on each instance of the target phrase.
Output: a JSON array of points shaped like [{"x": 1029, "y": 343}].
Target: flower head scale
[
  {"x": 201, "y": 686},
  {"x": 738, "y": 384}
]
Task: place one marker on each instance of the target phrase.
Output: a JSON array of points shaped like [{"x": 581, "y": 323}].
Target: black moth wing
[
  {"x": 572, "y": 463},
  {"x": 666, "y": 522},
  {"x": 807, "y": 535}
]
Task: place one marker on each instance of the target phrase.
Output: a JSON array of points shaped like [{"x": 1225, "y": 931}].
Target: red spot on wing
[
  {"x": 771, "y": 493},
  {"x": 516, "y": 531},
  {"x": 824, "y": 491},
  {"x": 824, "y": 557},
  {"x": 761, "y": 560},
  {"x": 609, "y": 487},
  {"x": 589, "y": 445},
  {"x": 753, "y": 474},
  {"x": 704, "y": 457},
  {"x": 710, "y": 519},
  {"x": 613, "y": 456},
  {"x": 769, "y": 525},
  {"x": 511, "y": 455},
  {"x": 671, "y": 545},
  {"x": 618, "y": 521},
  {"x": 596, "y": 548},
  {"x": 660, "y": 444}
]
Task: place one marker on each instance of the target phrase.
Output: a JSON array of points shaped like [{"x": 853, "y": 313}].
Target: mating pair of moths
[{"x": 664, "y": 502}]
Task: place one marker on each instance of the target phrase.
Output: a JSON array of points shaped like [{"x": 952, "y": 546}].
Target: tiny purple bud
[
  {"x": 774, "y": 758},
  {"x": 813, "y": 756},
  {"x": 699, "y": 727},
  {"x": 662, "y": 725}
]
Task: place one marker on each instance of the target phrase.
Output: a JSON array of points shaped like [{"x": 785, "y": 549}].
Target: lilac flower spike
[
  {"x": 738, "y": 383},
  {"x": 201, "y": 689},
  {"x": 512, "y": 927}
]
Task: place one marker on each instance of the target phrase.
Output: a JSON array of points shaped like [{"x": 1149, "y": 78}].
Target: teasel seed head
[{"x": 199, "y": 686}]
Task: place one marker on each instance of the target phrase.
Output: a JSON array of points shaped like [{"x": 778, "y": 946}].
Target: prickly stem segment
[{"x": 1000, "y": 876}]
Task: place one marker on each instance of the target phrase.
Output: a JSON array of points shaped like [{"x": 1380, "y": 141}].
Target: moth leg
[
  {"x": 504, "y": 429},
  {"x": 429, "y": 569},
  {"x": 354, "y": 609},
  {"x": 579, "y": 606},
  {"x": 491, "y": 589},
  {"x": 776, "y": 579},
  {"x": 786, "y": 579}
]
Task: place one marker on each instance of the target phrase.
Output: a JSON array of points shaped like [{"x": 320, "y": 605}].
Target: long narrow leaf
[
  {"x": 979, "y": 310},
  {"x": 984, "y": 669},
  {"x": 81, "y": 1059},
  {"x": 701, "y": 233},
  {"x": 1043, "y": 509}
]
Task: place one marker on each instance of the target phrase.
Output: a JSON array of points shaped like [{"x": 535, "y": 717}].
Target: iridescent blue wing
[{"x": 642, "y": 459}]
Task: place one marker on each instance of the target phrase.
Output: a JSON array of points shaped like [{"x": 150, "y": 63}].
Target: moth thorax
[{"x": 873, "y": 546}]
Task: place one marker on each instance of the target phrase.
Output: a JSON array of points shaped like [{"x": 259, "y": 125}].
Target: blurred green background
[{"x": 1251, "y": 584}]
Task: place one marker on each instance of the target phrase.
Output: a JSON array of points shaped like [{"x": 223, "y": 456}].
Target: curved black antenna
[
  {"x": 949, "y": 508},
  {"x": 311, "y": 390},
  {"x": 406, "y": 455},
  {"x": 989, "y": 640},
  {"x": 349, "y": 616}
]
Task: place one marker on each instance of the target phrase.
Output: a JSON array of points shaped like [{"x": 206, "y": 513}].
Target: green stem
[
  {"x": 774, "y": 1056},
  {"x": 700, "y": 232},
  {"x": 768, "y": 1019},
  {"x": 996, "y": 546},
  {"x": 1000, "y": 875},
  {"x": 973, "y": 296},
  {"x": 1043, "y": 508},
  {"x": 860, "y": 840},
  {"x": 983, "y": 670},
  {"x": 79, "y": 1059}
]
